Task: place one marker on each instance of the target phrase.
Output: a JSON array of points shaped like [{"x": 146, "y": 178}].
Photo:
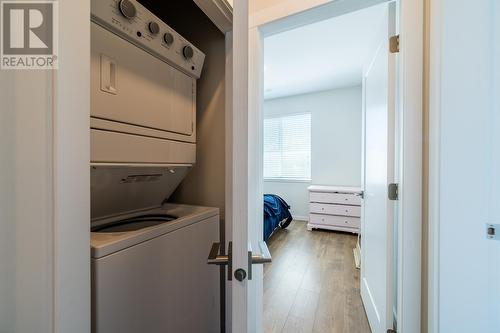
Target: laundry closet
[{"x": 157, "y": 165}]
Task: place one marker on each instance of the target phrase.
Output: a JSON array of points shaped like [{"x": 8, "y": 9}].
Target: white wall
[
  {"x": 44, "y": 187},
  {"x": 464, "y": 166},
  {"x": 335, "y": 142},
  {"x": 26, "y": 213}
]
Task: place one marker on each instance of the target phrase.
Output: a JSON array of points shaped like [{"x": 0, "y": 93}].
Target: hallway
[{"x": 312, "y": 284}]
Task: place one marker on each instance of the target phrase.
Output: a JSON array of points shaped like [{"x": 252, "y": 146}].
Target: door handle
[
  {"x": 214, "y": 258},
  {"x": 262, "y": 258}
]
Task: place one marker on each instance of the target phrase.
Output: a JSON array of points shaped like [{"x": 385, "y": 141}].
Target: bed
[{"x": 276, "y": 214}]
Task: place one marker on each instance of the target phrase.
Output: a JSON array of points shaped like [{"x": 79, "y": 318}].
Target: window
[{"x": 287, "y": 147}]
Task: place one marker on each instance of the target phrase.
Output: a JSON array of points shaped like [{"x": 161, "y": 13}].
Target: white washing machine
[{"x": 149, "y": 268}]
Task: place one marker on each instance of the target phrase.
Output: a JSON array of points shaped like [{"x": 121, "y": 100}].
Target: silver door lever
[
  {"x": 264, "y": 256},
  {"x": 214, "y": 258}
]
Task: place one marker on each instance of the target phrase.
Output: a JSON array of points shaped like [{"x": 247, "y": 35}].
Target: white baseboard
[{"x": 301, "y": 218}]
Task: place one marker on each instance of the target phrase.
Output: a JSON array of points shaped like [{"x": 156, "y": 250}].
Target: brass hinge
[{"x": 394, "y": 44}]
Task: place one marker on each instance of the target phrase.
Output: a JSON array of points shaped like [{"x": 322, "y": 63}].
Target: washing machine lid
[
  {"x": 104, "y": 244},
  {"x": 118, "y": 190}
]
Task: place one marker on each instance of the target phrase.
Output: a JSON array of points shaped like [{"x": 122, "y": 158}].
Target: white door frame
[
  {"x": 237, "y": 168},
  {"x": 71, "y": 162},
  {"x": 410, "y": 209},
  {"x": 269, "y": 21}
]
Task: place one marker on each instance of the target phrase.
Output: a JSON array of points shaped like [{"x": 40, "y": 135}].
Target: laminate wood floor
[{"x": 312, "y": 284}]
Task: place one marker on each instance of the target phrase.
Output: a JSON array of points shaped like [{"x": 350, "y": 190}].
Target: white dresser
[{"x": 334, "y": 208}]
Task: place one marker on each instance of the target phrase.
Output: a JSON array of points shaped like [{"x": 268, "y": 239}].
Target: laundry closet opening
[{"x": 157, "y": 166}]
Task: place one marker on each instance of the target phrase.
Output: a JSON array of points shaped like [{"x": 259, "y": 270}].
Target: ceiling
[{"x": 325, "y": 55}]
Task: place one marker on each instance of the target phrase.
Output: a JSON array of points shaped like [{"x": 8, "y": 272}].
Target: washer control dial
[
  {"x": 153, "y": 27},
  {"x": 188, "y": 52},
  {"x": 127, "y": 8},
  {"x": 168, "y": 38}
]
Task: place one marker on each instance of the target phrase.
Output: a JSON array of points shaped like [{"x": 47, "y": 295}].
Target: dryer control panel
[{"x": 133, "y": 22}]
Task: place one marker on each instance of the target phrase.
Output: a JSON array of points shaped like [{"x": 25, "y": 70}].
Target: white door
[
  {"x": 378, "y": 168},
  {"x": 244, "y": 204}
]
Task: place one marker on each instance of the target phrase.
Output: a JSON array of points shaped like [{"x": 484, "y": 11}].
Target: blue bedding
[{"x": 276, "y": 214}]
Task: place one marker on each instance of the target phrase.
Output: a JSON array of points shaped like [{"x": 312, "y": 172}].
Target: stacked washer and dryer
[{"x": 148, "y": 257}]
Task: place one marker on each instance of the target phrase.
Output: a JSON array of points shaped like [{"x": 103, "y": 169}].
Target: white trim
[
  {"x": 256, "y": 188},
  {"x": 290, "y": 14},
  {"x": 228, "y": 223},
  {"x": 241, "y": 310},
  {"x": 219, "y": 12},
  {"x": 300, "y": 218},
  {"x": 71, "y": 160},
  {"x": 434, "y": 163},
  {"x": 410, "y": 229}
]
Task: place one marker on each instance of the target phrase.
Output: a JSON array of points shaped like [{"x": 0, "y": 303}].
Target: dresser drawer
[
  {"x": 343, "y": 210},
  {"x": 335, "y": 198},
  {"x": 336, "y": 221}
]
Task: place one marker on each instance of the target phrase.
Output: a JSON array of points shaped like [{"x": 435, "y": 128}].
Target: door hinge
[
  {"x": 393, "y": 191},
  {"x": 493, "y": 231},
  {"x": 394, "y": 44}
]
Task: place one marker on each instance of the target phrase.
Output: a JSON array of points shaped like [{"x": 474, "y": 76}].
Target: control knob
[
  {"x": 154, "y": 28},
  {"x": 127, "y": 8},
  {"x": 188, "y": 52},
  {"x": 168, "y": 38}
]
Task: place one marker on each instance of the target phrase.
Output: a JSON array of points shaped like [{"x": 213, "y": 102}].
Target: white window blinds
[{"x": 287, "y": 147}]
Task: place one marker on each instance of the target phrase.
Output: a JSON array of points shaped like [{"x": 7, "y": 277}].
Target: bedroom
[{"x": 313, "y": 148}]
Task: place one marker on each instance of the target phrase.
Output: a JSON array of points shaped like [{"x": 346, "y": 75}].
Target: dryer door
[{"x": 132, "y": 87}]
